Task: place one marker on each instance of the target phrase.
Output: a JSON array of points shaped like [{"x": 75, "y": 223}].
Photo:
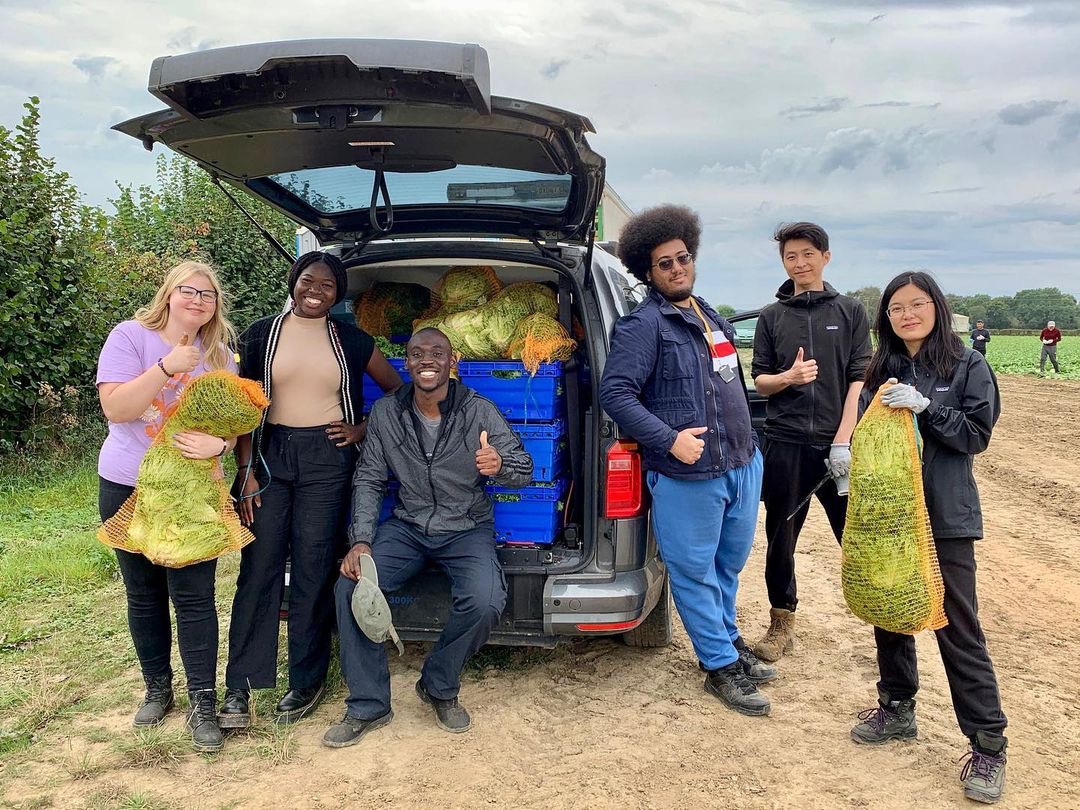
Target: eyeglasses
[
  {"x": 191, "y": 293},
  {"x": 667, "y": 263},
  {"x": 916, "y": 308}
]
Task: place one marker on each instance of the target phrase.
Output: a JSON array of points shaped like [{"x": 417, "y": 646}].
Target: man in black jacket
[
  {"x": 442, "y": 441},
  {"x": 811, "y": 350},
  {"x": 980, "y": 336}
]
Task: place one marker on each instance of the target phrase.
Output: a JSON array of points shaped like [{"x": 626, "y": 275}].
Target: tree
[{"x": 870, "y": 298}]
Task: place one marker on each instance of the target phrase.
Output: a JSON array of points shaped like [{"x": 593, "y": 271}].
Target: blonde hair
[{"x": 217, "y": 335}]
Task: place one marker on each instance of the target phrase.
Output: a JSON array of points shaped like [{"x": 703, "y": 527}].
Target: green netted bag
[
  {"x": 463, "y": 288},
  {"x": 889, "y": 568},
  {"x": 180, "y": 512}
]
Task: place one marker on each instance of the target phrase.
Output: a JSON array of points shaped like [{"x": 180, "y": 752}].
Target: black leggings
[{"x": 149, "y": 587}]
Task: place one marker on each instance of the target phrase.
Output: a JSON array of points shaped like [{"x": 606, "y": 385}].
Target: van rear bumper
[{"x": 586, "y": 605}]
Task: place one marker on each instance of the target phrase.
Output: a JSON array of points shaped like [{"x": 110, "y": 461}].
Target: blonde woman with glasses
[{"x": 144, "y": 366}]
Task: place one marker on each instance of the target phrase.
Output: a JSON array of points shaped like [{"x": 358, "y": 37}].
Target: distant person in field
[
  {"x": 811, "y": 350},
  {"x": 980, "y": 336},
  {"x": 1050, "y": 338},
  {"x": 954, "y": 396}
]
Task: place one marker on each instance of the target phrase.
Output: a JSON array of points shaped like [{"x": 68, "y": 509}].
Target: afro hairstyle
[
  {"x": 341, "y": 277},
  {"x": 652, "y": 227}
]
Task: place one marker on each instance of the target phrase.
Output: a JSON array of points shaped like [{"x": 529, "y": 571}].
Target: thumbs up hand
[
  {"x": 488, "y": 460},
  {"x": 183, "y": 357},
  {"x": 801, "y": 371},
  {"x": 688, "y": 447}
]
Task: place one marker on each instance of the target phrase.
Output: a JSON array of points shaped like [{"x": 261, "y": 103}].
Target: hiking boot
[
  {"x": 202, "y": 720},
  {"x": 779, "y": 638},
  {"x": 984, "y": 771},
  {"x": 350, "y": 729},
  {"x": 889, "y": 720},
  {"x": 731, "y": 685},
  {"x": 297, "y": 704},
  {"x": 235, "y": 709},
  {"x": 157, "y": 701},
  {"x": 449, "y": 714},
  {"x": 756, "y": 670}
]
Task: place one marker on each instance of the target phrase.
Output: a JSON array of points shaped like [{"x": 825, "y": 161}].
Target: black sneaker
[
  {"x": 350, "y": 729},
  {"x": 889, "y": 720},
  {"x": 157, "y": 702},
  {"x": 983, "y": 774},
  {"x": 756, "y": 670},
  {"x": 450, "y": 715},
  {"x": 202, "y": 721},
  {"x": 235, "y": 709},
  {"x": 731, "y": 685},
  {"x": 297, "y": 704}
]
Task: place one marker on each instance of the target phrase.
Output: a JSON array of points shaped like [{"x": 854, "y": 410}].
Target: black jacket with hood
[
  {"x": 446, "y": 493},
  {"x": 954, "y": 428},
  {"x": 830, "y": 328}
]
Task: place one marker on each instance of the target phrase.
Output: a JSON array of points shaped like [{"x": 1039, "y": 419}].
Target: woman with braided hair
[{"x": 294, "y": 478}]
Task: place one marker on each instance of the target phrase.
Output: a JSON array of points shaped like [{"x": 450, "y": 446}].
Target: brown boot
[{"x": 780, "y": 637}]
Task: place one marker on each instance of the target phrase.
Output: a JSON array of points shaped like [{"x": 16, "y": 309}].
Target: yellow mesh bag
[
  {"x": 463, "y": 288},
  {"x": 889, "y": 569},
  {"x": 389, "y": 308},
  {"x": 538, "y": 339},
  {"x": 180, "y": 512}
]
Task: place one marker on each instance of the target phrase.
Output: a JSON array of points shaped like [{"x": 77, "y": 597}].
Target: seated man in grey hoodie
[{"x": 442, "y": 441}]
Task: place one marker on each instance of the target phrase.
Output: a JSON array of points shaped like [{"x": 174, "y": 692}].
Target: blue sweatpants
[{"x": 705, "y": 529}]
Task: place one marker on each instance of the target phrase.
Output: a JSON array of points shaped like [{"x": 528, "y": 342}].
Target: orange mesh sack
[
  {"x": 538, "y": 339},
  {"x": 180, "y": 512},
  {"x": 389, "y": 308},
  {"x": 889, "y": 569}
]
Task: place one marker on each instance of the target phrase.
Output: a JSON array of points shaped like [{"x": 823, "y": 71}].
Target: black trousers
[
  {"x": 962, "y": 645},
  {"x": 791, "y": 471},
  {"x": 302, "y": 518},
  {"x": 149, "y": 588}
]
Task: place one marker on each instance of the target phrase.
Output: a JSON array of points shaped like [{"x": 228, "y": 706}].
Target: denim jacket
[{"x": 659, "y": 379}]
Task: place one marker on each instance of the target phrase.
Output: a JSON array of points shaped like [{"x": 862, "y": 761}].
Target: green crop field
[{"x": 1019, "y": 354}]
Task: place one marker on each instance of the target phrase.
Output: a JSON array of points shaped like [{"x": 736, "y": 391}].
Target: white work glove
[
  {"x": 902, "y": 395},
  {"x": 839, "y": 462},
  {"x": 1047, "y": 342}
]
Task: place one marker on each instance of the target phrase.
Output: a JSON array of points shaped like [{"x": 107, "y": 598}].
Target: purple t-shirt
[{"x": 130, "y": 350}]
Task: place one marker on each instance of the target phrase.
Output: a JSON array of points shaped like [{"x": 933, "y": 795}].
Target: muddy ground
[{"x": 602, "y": 725}]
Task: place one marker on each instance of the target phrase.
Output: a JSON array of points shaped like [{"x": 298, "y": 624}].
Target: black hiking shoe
[
  {"x": 297, "y": 704},
  {"x": 350, "y": 729},
  {"x": 235, "y": 709},
  {"x": 756, "y": 670},
  {"x": 735, "y": 690},
  {"x": 450, "y": 715},
  {"x": 157, "y": 702},
  {"x": 202, "y": 720},
  {"x": 983, "y": 774},
  {"x": 889, "y": 720}
]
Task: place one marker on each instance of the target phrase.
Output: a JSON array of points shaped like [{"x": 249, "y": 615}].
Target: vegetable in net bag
[
  {"x": 180, "y": 512},
  {"x": 463, "y": 288},
  {"x": 389, "y": 308},
  {"x": 539, "y": 338},
  {"x": 889, "y": 569}
]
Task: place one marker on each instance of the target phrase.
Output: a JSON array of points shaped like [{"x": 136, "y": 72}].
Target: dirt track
[{"x": 601, "y": 725}]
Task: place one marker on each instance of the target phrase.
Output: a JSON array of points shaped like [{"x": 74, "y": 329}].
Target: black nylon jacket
[
  {"x": 955, "y": 427},
  {"x": 832, "y": 329}
]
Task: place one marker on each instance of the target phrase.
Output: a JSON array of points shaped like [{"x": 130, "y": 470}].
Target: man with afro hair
[{"x": 673, "y": 383}]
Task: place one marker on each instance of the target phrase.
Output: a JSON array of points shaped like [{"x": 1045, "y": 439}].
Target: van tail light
[{"x": 623, "y": 498}]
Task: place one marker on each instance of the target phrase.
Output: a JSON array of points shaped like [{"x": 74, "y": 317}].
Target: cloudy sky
[{"x": 937, "y": 134}]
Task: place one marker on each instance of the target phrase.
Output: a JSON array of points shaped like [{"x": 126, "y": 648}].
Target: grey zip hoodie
[{"x": 445, "y": 494}]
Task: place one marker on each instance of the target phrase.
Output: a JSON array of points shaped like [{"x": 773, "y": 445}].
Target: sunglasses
[{"x": 666, "y": 263}]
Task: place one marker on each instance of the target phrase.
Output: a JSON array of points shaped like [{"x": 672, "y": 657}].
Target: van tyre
[{"x": 656, "y": 630}]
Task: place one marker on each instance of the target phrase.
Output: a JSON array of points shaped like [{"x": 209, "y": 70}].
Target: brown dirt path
[{"x": 601, "y": 725}]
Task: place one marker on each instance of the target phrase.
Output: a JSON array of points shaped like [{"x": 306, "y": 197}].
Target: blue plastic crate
[
  {"x": 372, "y": 392},
  {"x": 546, "y": 443},
  {"x": 532, "y": 519}
]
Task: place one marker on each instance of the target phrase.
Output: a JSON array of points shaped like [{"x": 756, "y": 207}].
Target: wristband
[
  {"x": 224, "y": 448},
  {"x": 161, "y": 365}
]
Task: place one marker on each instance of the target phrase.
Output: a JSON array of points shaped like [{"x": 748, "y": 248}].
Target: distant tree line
[{"x": 1027, "y": 309}]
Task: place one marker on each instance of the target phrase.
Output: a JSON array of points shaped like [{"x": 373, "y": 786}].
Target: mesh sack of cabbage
[
  {"x": 389, "y": 308},
  {"x": 463, "y": 288},
  {"x": 180, "y": 512},
  {"x": 889, "y": 569}
]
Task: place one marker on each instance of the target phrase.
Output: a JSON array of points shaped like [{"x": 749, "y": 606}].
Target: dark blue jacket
[{"x": 658, "y": 380}]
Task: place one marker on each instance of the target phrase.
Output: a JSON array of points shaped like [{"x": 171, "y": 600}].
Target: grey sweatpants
[{"x": 1051, "y": 352}]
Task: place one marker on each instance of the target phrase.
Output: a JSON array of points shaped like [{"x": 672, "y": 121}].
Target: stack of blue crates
[{"x": 534, "y": 405}]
